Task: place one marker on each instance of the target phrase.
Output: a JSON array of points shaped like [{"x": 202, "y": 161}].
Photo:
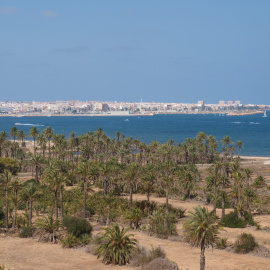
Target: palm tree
[
  {"x": 55, "y": 180},
  {"x": 21, "y": 136},
  {"x": 115, "y": 245},
  {"x": 148, "y": 180},
  {"x": 5, "y": 181},
  {"x": 83, "y": 171},
  {"x": 15, "y": 186},
  {"x": 239, "y": 177},
  {"x": 3, "y": 137},
  {"x": 201, "y": 228},
  {"x": 36, "y": 160},
  {"x": 48, "y": 132},
  {"x": 131, "y": 175},
  {"x": 34, "y": 133},
  {"x": 29, "y": 194},
  {"x": 168, "y": 172},
  {"x": 13, "y": 133}
]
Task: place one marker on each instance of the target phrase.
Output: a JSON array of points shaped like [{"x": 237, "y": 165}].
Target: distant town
[{"x": 36, "y": 108}]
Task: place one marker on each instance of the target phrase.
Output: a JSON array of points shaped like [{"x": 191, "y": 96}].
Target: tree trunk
[
  {"x": 36, "y": 176},
  {"x": 215, "y": 199},
  {"x": 148, "y": 204},
  {"x": 202, "y": 257},
  {"x": 56, "y": 204},
  {"x": 84, "y": 197},
  {"x": 6, "y": 190},
  {"x": 62, "y": 204},
  {"x": 30, "y": 212},
  {"x": 14, "y": 218},
  {"x": 223, "y": 208},
  {"x": 130, "y": 195},
  {"x": 108, "y": 215},
  {"x": 239, "y": 202},
  {"x": 167, "y": 199}
]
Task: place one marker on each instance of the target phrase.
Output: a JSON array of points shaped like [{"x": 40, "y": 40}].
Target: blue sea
[{"x": 252, "y": 130}]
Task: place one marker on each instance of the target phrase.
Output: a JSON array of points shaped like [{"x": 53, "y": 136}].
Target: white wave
[
  {"x": 236, "y": 122},
  {"x": 33, "y": 125},
  {"x": 254, "y": 123}
]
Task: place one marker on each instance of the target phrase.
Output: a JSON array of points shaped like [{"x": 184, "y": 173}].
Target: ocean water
[{"x": 252, "y": 130}]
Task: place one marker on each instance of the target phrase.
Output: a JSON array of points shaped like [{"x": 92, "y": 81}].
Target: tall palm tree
[
  {"x": 55, "y": 180},
  {"x": 239, "y": 177},
  {"x": 5, "y": 180},
  {"x": 201, "y": 228},
  {"x": 131, "y": 175},
  {"x": 21, "y": 136},
  {"x": 13, "y": 133},
  {"x": 34, "y": 133},
  {"x": 15, "y": 186},
  {"x": 29, "y": 194},
  {"x": 83, "y": 171},
  {"x": 48, "y": 132},
  {"x": 3, "y": 137}
]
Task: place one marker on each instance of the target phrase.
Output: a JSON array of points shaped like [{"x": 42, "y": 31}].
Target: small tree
[
  {"x": 201, "y": 228},
  {"x": 115, "y": 245}
]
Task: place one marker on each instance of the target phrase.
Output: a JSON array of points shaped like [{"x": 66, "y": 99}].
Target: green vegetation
[
  {"x": 115, "y": 245},
  {"x": 77, "y": 226},
  {"x": 245, "y": 243},
  {"x": 232, "y": 220},
  {"x": 201, "y": 229},
  {"x": 66, "y": 183}
]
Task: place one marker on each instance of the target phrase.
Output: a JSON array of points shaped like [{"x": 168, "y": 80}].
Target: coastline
[{"x": 136, "y": 114}]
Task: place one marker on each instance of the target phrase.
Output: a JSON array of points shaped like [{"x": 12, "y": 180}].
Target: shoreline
[{"x": 125, "y": 115}]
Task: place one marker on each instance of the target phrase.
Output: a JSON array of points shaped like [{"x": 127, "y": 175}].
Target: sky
[{"x": 127, "y": 50}]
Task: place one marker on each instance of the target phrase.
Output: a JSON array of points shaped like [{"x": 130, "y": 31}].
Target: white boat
[{"x": 265, "y": 115}]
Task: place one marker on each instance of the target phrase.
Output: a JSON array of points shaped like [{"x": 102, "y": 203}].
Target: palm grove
[{"x": 87, "y": 175}]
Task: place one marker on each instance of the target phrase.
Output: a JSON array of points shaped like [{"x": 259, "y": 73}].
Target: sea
[{"x": 252, "y": 130}]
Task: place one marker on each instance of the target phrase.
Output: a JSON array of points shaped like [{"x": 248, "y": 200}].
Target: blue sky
[{"x": 123, "y": 50}]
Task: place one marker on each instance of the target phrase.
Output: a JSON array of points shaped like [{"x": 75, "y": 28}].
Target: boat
[{"x": 264, "y": 114}]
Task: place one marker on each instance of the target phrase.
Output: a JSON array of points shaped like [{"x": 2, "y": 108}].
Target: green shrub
[
  {"x": 231, "y": 220},
  {"x": 77, "y": 226},
  {"x": 259, "y": 182},
  {"x": 162, "y": 224},
  {"x": 222, "y": 243},
  {"x": 245, "y": 243},
  {"x": 69, "y": 241},
  {"x": 27, "y": 232}
]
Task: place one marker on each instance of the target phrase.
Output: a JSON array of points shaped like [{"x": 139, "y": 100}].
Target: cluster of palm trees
[
  {"x": 117, "y": 165},
  {"x": 120, "y": 166}
]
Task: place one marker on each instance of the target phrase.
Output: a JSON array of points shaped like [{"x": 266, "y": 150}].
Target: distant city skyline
[{"x": 176, "y": 51}]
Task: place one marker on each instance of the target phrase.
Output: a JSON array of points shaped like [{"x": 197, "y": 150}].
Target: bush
[
  {"x": 69, "y": 241},
  {"x": 259, "y": 182},
  {"x": 27, "y": 232},
  {"x": 231, "y": 220},
  {"x": 141, "y": 256},
  {"x": 160, "y": 264},
  {"x": 245, "y": 243},
  {"x": 162, "y": 224},
  {"x": 77, "y": 226},
  {"x": 222, "y": 243}
]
